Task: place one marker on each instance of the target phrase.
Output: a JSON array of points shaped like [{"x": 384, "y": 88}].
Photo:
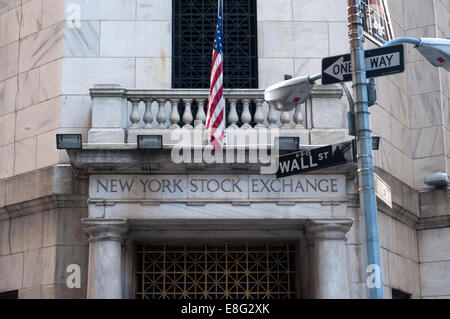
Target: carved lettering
[{"x": 202, "y": 187}]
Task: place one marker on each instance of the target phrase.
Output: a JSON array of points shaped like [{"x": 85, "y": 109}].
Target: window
[
  {"x": 398, "y": 294},
  {"x": 194, "y": 24},
  {"x": 376, "y": 21}
]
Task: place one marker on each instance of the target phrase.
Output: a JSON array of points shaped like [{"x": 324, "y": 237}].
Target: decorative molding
[
  {"x": 334, "y": 229},
  {"x": 105, "y": 229}
]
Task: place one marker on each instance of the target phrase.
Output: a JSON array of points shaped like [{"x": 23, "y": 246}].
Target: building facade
[{"x": 112, "y": 221}]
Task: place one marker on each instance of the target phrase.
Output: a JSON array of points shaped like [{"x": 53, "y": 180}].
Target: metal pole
[{"x": 365, "y": 163}]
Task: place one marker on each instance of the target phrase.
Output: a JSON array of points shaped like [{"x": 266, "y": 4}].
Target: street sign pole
[{"x": 366, "y": 177}]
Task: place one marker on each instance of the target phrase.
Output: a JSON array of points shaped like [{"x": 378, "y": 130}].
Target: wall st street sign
[
  {"x": 315, "y": 159},
  {"x": 383, "y": 190},
  {"x": 379, "y": 62}
]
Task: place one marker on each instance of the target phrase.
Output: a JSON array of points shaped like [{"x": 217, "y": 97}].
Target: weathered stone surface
[
  {"x": 154, "y": 72},
  {"x": 7, "y": 128},
  {"x": 50, "y": 80},
  {"x": 52, "y": 12},
  {"x": 4, "y": 237},
  {"x": 11, "y": 267},
  {"x": 418, "y": 13},
  {"x": 26, "y": 232},
  {"x": 39, "y": 183},
  {"x": 9, "y": 26},
  {"x": 46, "y": 152},
  {"x": 25, "y": 156},
  {"x": 6, "y": 161},
  {"x": 319, "y": 10},
  {"x": 79, "y": 75},
  {"x": 8, "y": 90},
  {"x": 435, "y": 202},
  {"x": 125, "y": 39},
  {"x": 434, "y": 278},
  {"x": 39, "y": 118},
  {"x": 62, "y": 227},
  {"x": 39, "y": 267},
  {"x": 154, "y": 10},
  {"x": 31, "y": 17},
  {"x": 403, "y": 274},
  {"x": 434, "y": 245},
  {"x": 41, "y": 47},
  {"x": 104, "y": 9},
  {"x": 83, "y": 41},
  {"x": 355, "y": 263},
  {"x": 69, "y": 255},
  {"x": 8, "y": 60},
  {"x": 274, "y": 10}
]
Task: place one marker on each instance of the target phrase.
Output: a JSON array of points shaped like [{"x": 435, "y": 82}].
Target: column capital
[
  {"x": 105, "y": 229},
  {"x": 328, "y": 228}
]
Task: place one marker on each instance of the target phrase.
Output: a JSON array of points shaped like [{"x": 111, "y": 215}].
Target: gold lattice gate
[{"x": 214, "y": 271}]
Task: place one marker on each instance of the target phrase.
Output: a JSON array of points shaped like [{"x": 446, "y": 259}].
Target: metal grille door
[{"x": 207, "y": 271}]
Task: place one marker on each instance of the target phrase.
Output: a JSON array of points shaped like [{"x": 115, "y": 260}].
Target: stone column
[
  {"x": 105, "y": 257},
  {"x": 330, "y": 272}
]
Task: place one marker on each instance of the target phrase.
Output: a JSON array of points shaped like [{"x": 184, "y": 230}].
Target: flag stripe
[{"x": 215, "y": 120}]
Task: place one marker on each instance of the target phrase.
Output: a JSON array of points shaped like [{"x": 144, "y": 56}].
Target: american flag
[{"x": 215, "y": 120}]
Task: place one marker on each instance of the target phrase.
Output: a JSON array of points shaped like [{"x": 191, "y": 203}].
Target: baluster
[
  {"x": 134, "y": 116},
  {"x": 246, "y": 116},
  {"x": 285, "y": 118},
  {"x": 187, "y": 115},
  {"x": 259, "y": 114},
  {"x": 174, "y": 115},
  {"x": 298, "y": 116},
  {"x": 272, "y": 117},
  {"x": 200, "y": 117},
  {"x": 148, "y": 116},
  {"x": 233, "y": 116},
  {"x": 161, "y": 117}
]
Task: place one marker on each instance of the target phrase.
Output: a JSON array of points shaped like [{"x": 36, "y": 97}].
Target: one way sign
[{"x": 381, "y": 61}]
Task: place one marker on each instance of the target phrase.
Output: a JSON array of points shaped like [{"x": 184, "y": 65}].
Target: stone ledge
[
  {"x": 44, "y": 203},
  {"x": 54, "y": 180},
  {"x": 433, "y": 222}
]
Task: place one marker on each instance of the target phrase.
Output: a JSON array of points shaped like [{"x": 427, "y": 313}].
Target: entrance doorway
[{"x": 216, "y": 271}]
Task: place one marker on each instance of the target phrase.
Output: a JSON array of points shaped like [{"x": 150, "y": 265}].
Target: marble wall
[
  {"x": 31, "y": 43},
  {"x": 434, "y": 253},
  {"x": 39, "y": 239}
]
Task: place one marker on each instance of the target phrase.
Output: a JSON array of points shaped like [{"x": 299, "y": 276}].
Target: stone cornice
[
  {"x": 105, "y": 229},
  {"x": 132, "y": 161},
  {"x": 42, "y": 204},
  {"x": 329, "y": 228}
]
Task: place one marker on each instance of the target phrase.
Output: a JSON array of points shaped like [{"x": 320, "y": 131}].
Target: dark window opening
[
  {"x": 194, "y": 24},
  {"x": 398, "y": 294},
  {"x": 10, "y": 295}
]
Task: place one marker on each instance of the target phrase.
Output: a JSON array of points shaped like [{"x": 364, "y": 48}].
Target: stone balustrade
[{"x": 119, "y": 114}]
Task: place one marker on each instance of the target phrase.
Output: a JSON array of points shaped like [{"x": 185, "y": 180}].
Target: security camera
[
  {"x": 439, "y": 180},
  {"x": 284, "y": 96}
]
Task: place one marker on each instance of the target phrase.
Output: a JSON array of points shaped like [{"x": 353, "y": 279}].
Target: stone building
[{"x": 114, "y": 69}]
